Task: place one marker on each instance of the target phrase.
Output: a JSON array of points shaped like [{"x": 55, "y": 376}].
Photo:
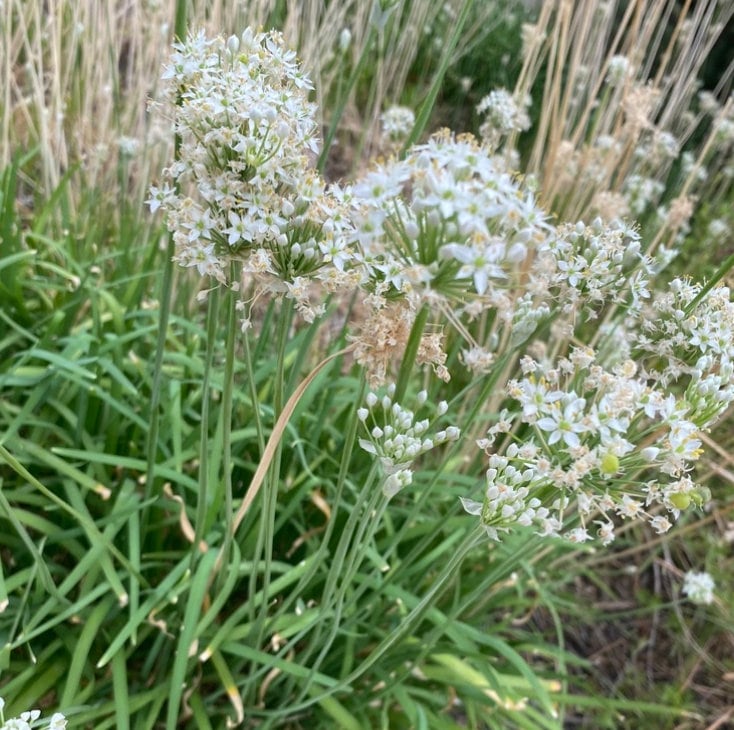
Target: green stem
[
  {"x": 151, "y": 490},
  {"x": 179, "y": 27},
  {"x": 266, "y": 536},
  {"x": 202, "y": 503},
  {"x": 252, "y": 385},
  {"x": 424, "y": 114},
  {"x": 726, "y": 266},
  {"x": 226, "y": 415},
  {"x": 344, "y": 98},
  {"x": 370, "y": 520},
  {"x": 322, "y": 552},
  {"x": 411, "y": 350}
]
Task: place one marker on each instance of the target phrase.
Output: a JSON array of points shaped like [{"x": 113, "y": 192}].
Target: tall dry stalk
[
  {"x": 77, "y": 76},
  {"x": 591, "y": 130}
]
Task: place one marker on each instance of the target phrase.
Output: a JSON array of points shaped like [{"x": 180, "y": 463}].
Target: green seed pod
[
  {"x": 680, "y": 500},
  {"x": 701, "y": 495},
  {"x": 609, "y": 464}
]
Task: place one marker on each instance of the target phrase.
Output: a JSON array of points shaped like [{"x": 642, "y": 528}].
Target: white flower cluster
[
  {"x": 504, "y": 114},
  {"x": 397, "y": 123},
  {"x": 28, "y": 720},
  {"x": 619, "y": 70},
  {"x": 689, "y": 338},
  {"x": 593, "y": 437},
  {"x": 242, "y": 189},
  {"x": 642, "y": 193},
  {"x": 585, "y": 266},
  {"x": 699, "y": 587},
  {"x": 397, "y": 439},
  {"x": 446, "y": 215},
  {"x": 595, "y": 442}
]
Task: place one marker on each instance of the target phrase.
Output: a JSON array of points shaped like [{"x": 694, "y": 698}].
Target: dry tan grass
[
  {"x": 666, "y": 43},
  {"x": 77, "y": 79},
  {"x": 77, "y": 76}
]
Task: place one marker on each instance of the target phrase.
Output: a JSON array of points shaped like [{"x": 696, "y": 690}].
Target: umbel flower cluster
[
  {"x": 613, "y": 443},
  {"x": 243, "y": 188},
  {"x": 698, "y": 587},
  {"x": 397, "y": 439},
  {"x": 589, "y": 434}
]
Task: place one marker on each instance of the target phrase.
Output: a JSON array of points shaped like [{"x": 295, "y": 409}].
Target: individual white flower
[
  {"x": 160, "y": 196},
  {"x": 58, "y": 722},
  {"x": 477, "y": 263},
  {"x": 345, "y": 38},
  {"x": 718, "y": 229},
  {"x": 565, "y": 420}
]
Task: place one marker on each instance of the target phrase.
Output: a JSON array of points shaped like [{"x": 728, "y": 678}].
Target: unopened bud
[
  {"x": 345, "y": 38},
  {"x": 233, "y": 44}
]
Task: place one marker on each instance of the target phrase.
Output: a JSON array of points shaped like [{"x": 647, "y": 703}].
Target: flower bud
[
  {"x": 282, "y": 129},
  {"x": 233, "y": 44},
  {"x": 345, "y": 38}
]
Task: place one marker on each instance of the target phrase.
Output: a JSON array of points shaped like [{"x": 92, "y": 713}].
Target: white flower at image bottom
[{"x": 699, "y": 587}]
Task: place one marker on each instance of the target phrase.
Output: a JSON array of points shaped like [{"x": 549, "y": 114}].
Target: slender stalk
[
  {"x": 411, "y": 351},
  {"x": 226, "y": 416},
  {"x": 343, "y": 566},
  {"x": 367, "y": 528},
  {"x": 266, "y": 534},
  {"x": 165, "y": 312},
  {"x": 202, "y": 502},
  {"x": 726, "y": 266},
  {"x": 323, "y": 549},
  {"x": 343, "y": 98},
  {"x": 426, "y": 110}
]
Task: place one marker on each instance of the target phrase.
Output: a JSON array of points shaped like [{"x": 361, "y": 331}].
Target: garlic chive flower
[
  {"x": 619, "y": 70},
  {"x": 503, "y": 115},
  {"x": 397, "y": 123},
  {"x": 584, "y": 443},
  {"x": 243, "y": 190},
  {"x": 699, "y": 587},
  {"x": 397, "y": 438},
  {"x": 444, "y": 221},
  {"x": 585, "y": 267}
]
